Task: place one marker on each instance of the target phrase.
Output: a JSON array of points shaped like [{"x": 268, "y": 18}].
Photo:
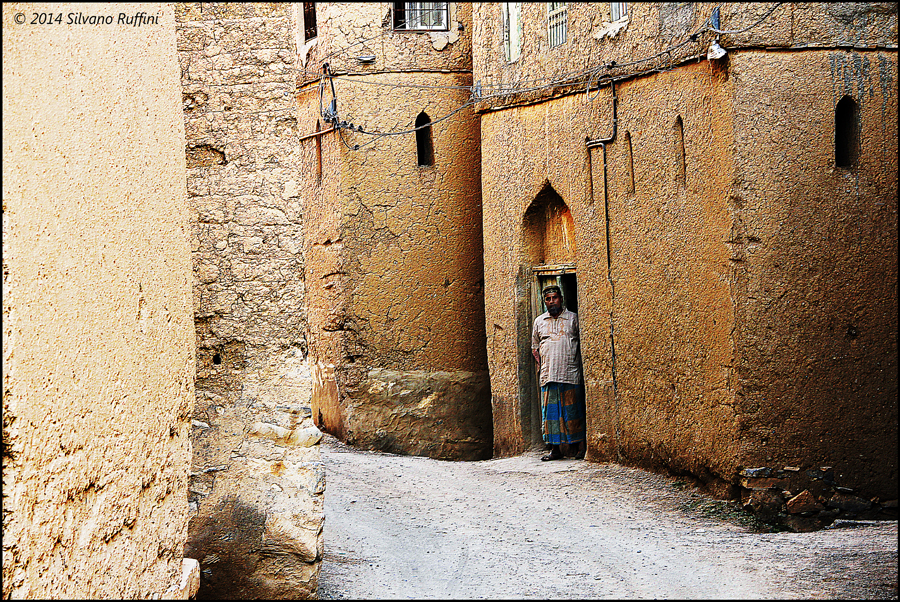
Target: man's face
[{"x": 554, "y": 303}]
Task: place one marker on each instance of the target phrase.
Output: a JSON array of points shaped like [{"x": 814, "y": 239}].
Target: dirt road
[{"x": 409, "y": 527}]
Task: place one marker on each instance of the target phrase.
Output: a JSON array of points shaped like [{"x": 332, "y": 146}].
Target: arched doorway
[{"x": 548, "y": 256}]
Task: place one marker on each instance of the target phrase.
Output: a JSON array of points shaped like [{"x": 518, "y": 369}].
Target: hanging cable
[{"x": 477, "y": 92}]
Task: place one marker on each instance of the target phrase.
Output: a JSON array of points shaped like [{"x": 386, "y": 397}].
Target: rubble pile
[{"x": 806, "y": 500}]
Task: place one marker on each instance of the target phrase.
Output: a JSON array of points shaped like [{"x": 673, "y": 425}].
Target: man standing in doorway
[{"x": 556, "y": 347}]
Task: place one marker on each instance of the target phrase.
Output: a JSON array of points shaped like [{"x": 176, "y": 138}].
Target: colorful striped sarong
[{"x": 562, "y": 413}]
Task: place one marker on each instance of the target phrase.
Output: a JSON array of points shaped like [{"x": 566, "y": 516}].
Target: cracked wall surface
[
  {"x": 744, "y": 265},
  {"x": 98, "y": 337},
  {"x": 393, "y": 248},
  {"x": 256, "y": 498}
]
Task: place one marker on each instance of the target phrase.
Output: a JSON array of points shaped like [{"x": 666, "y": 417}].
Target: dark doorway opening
[{"x": 564, "y": 276}]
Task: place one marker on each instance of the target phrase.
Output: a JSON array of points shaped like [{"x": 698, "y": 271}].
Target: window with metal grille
[
  {"x": 421, "y": 16},
  {"x": 557, "y": 23},
  {"x": 617, "y": 10},
  {"x": 510, "y": 14},
  {"x": 309, "y": 20}
]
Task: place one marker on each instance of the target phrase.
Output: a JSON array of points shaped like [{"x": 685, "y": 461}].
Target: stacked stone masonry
[
  {"x": 807, "y": 500},
  {"x": 257, "y": 483}
]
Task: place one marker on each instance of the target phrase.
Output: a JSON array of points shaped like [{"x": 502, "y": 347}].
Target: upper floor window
[
  {"x": 421, "y": 16},
  {"x": 309, "y": 20},
  {"x": 617, "y": 10},
  {"x": 424, "y": 143},
  {"x": 510, "y": 13},
  {"x": 846, "y": 132},
  {"x": 557, "y": 23}
]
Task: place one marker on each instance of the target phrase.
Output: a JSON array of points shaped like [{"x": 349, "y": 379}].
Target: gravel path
[{"x": 411, "y": 527}]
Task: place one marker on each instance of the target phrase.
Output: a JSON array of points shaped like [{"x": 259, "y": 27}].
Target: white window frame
[
  {"x": 618, "y": 10},
  {"x": 511, "y": 15},
  {"x": 557, "y": 23},
  {"x": 415, "y": 11}
]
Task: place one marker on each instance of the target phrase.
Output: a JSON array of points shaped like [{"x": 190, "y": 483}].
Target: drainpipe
[{"x": 602, "y": 142}]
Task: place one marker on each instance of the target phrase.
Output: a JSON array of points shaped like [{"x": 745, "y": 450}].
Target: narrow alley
[{"x": 414, "y": 527}]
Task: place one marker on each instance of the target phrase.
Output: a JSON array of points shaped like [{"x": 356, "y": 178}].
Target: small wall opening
[
  {"x": 846, "y": 132},
  {"x": 680, "y": 167},
  {"x": 310, "y": 30},
  {"x": 629, "y": 164},
  {"x": 318, "y": 154},
  {"x": 204, "y": 155},
  {"x": 424, "y": 144}
]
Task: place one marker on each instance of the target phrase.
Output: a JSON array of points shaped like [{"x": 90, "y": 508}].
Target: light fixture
[
  {"x": 366, "y": 59},
  {"x": 715, "y": 51}
]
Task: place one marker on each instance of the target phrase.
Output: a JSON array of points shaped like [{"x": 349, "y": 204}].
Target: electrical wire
[
  {"x": 394, "y": 85},
  {"x": 573, "y": 76},
  {"x": 576, "y": 77}
]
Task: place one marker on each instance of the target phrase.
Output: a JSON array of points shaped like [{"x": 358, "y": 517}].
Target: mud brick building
[
  {"x": 714, "y": 187},
  {"x": 392, "y": 230},
  {"x": 727, "y": 227}
]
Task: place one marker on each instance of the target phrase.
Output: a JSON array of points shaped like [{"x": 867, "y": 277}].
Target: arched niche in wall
[
  {"x": 424, "y": 143},
  {"x": 629, "y": 164},
  {"x": 680, "y": 167},
  {"x": 548, "y": 230},
  {"x": 548, "y": 257},
  {"x": 318, "y": 153},
  {"x": 846, "y": 132}
]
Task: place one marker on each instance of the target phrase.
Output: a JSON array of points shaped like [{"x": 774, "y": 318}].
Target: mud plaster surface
[{"x": 412, "y": 527}]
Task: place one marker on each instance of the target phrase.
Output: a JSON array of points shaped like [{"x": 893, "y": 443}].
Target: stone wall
[
  {"x": 393, "y": 248},
  {"x": 98, "y": 339},
  {"x": 257, "y": 482},
  {"x": 744, "y": 267},
  {"x": 807, "y": 500}
]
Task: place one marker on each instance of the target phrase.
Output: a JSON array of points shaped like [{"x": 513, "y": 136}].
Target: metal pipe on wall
[{"x": 589, "y": 144}]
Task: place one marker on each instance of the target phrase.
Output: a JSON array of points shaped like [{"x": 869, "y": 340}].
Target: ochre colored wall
[
  {"x": 98, "y": 338},
  {"x": 394, "y": 249},
  {"x": 671, "y": 305},
  {"x": 815, "y": 281},
  {"x": 670, "y": 298}
]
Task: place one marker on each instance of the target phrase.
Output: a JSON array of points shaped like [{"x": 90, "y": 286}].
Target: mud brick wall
[
  {"x": 258, "y": 490},
  {"x": 98, "y": 337},
  {"x": 394, "y": 248}
]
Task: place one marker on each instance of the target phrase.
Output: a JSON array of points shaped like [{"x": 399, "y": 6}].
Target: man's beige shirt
[{"x": 557, "y": 341}]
